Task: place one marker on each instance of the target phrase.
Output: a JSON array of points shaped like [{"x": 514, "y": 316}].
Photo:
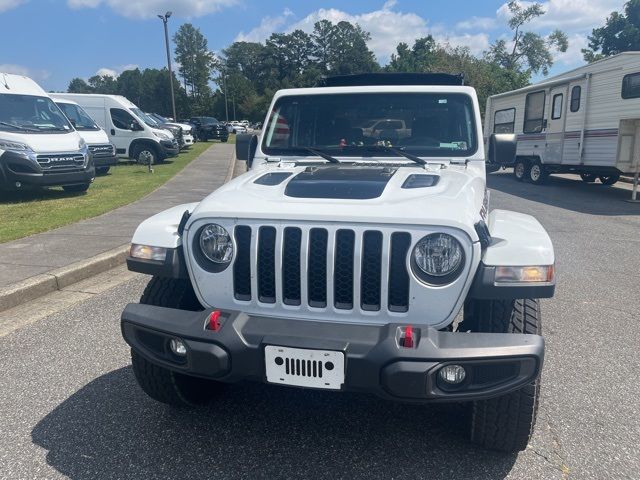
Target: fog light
[
  {"x": 453, "y": 374},
  {"x": 178, "y": 347}
]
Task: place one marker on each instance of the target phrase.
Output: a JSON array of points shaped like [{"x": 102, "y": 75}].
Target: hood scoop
[{"x": 340, "y": 182}]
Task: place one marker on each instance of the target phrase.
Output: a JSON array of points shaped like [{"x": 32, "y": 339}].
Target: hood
[
  {"x": 94, "y": 137},
  {"x": 46, "y": 142},
  {"x": 381, "y": 194}
]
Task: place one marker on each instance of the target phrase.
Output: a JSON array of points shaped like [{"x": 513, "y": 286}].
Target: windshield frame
[
  {"x": 146, "y": 119},
  {"x": 355, "y": 153},
  {"x": 33, "y": 129}
]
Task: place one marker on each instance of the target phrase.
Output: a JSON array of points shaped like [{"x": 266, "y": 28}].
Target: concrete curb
[
  {"x": 60, "y": 278},
  {"x": 39, "y": 285}
]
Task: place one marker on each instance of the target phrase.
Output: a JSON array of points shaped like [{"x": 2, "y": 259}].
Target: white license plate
[{"x": 304, "y": 368}]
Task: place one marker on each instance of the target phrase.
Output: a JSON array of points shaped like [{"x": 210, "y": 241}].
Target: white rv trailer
[{"x": 585, "y": 121}]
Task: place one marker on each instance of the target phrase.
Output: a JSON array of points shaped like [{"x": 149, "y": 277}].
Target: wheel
[
  {"x": 520, "y": 169},
  {"x": 102, "y": 170},
  {"x": 146, "y": 155},
  {"x": 505, "y": 423},
  {"x": 537, "y": 173},
  {"x": 77, "y": 188},
  {"x": 161, "y": 384},
  {"x": 224, "y": 140},
  {"x": 609, "y": 179},
  {"x": 588, "y": 177}
]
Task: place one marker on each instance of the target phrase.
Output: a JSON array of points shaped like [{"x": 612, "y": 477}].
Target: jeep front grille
[{"x": 318, "y": 267}]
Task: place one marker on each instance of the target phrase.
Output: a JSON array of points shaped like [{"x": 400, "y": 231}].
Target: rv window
[
  {"x": 631, "y": 86},
  {"x": 534, "y": 112},
  {"x": 556, "y": 111},
  {"x": 504, "y": 121},
  {"x": 575, "y": 98}
]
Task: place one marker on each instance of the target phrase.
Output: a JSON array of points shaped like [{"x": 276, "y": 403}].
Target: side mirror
[
  {"x": 73, "y": 123},
  {"x": 502, "y": 149},
  {"x": 246, "y": 146}
]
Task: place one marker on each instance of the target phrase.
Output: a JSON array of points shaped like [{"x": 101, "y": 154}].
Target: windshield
[
  {"x": 80, "y": 118},
  {"x": 208, "y": 120},
  {"x": 32, "y": 114},
  {"x": 425, "y": 124},
  {"x": 145, "y": 118},
  {"x": 159, "y": 118}
]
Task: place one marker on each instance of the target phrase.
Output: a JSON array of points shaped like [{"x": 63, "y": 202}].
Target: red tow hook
[
  {"x": 214, "y": 321},
  {"x": 408, "y": 340}
]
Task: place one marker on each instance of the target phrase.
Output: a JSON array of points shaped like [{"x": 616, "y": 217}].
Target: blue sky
[{"x": 56, "y": 40}]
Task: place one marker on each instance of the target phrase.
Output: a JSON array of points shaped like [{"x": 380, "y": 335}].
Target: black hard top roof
[{"x": 365, "y": 79}]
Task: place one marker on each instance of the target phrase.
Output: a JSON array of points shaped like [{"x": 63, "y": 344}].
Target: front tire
[
  {"x": 162, "y": 384},
  {"x": 520, "y": 169},
  {"x": 537, "y": 173},
  {"x": 102, "y": 170},
  {"x": 146, "y": 155},
  {"x": 588, "y": 177},
  {"x": 505, "y": 423}
]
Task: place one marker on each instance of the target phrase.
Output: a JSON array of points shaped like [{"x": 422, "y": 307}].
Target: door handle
[{"x": 113, "y": 131}]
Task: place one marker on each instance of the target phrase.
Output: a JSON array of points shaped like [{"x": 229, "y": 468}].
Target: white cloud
[
  {"x": 569, "y": 14},
  {"x": 477, "y": 23},
  {"x": 10, "y": 4},
  {"x": 26, "y": 71},
  {"x": 573, "y": 56},
  {"x": 267, "y": 26},
  {"x": 151, "y": 8},
  {"x": 115, "y": 71}
]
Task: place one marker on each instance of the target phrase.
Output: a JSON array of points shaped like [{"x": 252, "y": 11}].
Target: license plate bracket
[{"x": 304, "y": 367}]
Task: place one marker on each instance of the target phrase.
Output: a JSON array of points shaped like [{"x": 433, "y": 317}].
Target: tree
[
  {"x": 103, "y": 84},
  {"x": 78, "y": 85},
  {"x": 342, "y": 49},
  {"x": 195, "y": 60},
  {"x": 620, "y": 33},
  {"x": 527, "y": 51},
  {"x": 419, "y": 58},
  {"x": 130, "y": 85}
]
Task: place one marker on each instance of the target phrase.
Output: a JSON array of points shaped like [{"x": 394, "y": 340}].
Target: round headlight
[
  {"x": 439, "y": 257},
  {"x": 216, "y": 244}
]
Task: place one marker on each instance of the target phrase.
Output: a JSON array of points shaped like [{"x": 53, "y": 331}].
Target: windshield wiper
[
  {"x": 19, "y": 127},
  {"x": 398, "y": 151},
  {"x": 320, "y": 153}
]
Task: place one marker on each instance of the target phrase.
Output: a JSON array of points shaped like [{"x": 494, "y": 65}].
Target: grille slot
[
  {"x": 60, "y": 162},
  {"x": 242, "y": 265},
  {"x": 291, "y": 266},
  {"x": 266, "y": 264},
  {"x": 101, "y": 150},
  {"x": 343, "y": 269},
  {"x": 371, "y": 277},
  {"x": 317, "y": 270},
  {"x": 311, "y": 267},
  {"x": 303, "y": 368},
  {"x": 398, "y": 274}
]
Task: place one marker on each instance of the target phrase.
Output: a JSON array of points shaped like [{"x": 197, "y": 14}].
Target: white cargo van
[
  {"x": 38, "y": 144},
  {"x": 126, "y": 126},
  {"x": 103, "y": 152}
]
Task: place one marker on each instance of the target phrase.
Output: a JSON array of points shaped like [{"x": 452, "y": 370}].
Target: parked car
[
  {"x": 209, "y": 128},
  {"x": 186, "y": 129},
  {"x": 125, "y": 124},
  {"x": 102, "y": 152},
  {"x": 236, "y": 127},
  {"x": 584, "y": 121},
  {"x": 38, "y": 145},
  {"x": 322, "y": 268}
]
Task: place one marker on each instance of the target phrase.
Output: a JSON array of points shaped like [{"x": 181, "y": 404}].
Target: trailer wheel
[
  {"x": 588, "y": 177},
  {"x": 609, "y": 179},
  {"x": 521, "y": 169},
  {"x": 538, "y": 174}
]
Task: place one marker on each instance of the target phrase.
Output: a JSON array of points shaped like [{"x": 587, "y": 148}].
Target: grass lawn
[{"x": 33, "y": 211}]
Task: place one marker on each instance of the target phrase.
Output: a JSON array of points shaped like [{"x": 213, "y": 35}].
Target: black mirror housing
[
  {"x": 502, "y": 149},
  {"x": 246, "y": 145}
]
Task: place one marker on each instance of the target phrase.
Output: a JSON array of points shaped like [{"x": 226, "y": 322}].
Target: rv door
[{"x": 555, "y": 125}]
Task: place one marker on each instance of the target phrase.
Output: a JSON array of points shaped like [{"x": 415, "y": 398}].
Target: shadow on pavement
[
  {"x": 110, "y": 429},
  {"x": 569, "y": 194}
]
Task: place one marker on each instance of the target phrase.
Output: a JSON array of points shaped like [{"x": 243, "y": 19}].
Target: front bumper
[
  {"x": 216, "y": 133},
  {"x": 17, "y": 168},
  {"x": 107, "y": 161},
  {"x": 170, "y": 148},
  {"x": 375, "y": 362}
]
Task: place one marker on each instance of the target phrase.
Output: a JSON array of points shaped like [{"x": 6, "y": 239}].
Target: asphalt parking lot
[{"x": 70, "y": 408}]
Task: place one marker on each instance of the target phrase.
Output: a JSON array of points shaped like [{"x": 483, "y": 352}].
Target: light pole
[{"x": 165, "y": 19}]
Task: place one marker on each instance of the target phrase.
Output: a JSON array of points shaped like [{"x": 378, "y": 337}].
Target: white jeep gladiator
[{"x": 345, "y": 262}]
